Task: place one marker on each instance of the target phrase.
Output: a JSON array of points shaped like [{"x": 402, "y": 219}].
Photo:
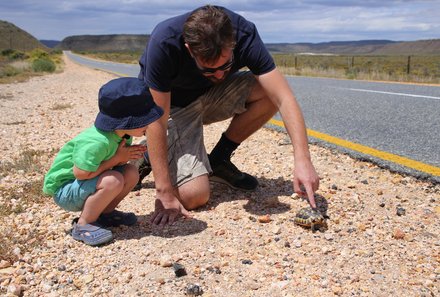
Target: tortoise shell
[{"x": 309, "y": 217}]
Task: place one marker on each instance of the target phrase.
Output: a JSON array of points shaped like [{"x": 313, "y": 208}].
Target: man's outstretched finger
[{"x": 310, "y": 195}]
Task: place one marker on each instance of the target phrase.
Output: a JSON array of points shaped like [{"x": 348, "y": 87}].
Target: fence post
[
  {"x": 352, "y": 61},
  {"x": 296, "y": 62},
  {"x": 408, "y": 66}
]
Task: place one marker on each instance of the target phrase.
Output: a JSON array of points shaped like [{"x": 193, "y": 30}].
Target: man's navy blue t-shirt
[{"x": 167, "y": 66}]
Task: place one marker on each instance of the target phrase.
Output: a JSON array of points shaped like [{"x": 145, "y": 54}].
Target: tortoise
[{"x": 309, "y": 217}]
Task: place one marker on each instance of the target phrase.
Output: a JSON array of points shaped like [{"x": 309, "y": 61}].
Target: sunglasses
[{"x": 210, "y": 71}]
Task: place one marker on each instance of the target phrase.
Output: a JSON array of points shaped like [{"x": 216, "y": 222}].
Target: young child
[{"x": 91, "y": 174}]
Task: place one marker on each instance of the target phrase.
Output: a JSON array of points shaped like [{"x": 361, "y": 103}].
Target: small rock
[
  {"x": 328, "y": 236},
  {"x": 246, "y": 262},
  {"x": 179, "y": 270},
  {"x": 382, "y": 204},
  {"x": 337, "y": 290},
  {"x": 166, "y": 261},
  {"x": 295, "y": 196},
  {"x": 4, "y": 264},
  {"x": 297, "y": 243},
  {"x": 8, "y": 270},
  {"x": 264, "y": 219},
  {"x": 276, "y": 230},
  {"x": 86, "y": 279},
  {"x": 400, "y": 211},
  {"x": 194, "y": 290},
  {"x": 15, "y": 289},
  {"x": 398, "y": 234}
]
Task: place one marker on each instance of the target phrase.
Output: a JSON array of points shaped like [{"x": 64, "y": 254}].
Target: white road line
[{"x": 399, "y": 94}]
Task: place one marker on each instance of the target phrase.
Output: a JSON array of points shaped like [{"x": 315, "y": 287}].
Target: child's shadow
[{"x": 143, "y": 228}]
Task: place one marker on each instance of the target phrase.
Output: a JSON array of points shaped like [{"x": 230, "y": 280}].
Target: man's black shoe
[
  {"x": 144, "y": 170},
  {"x": 226, "y": 173}
]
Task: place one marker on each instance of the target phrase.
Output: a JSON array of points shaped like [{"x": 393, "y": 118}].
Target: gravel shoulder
[{"x": 383, "y": 236}]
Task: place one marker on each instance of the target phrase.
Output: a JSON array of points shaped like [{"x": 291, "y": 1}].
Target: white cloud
[{"x": 277, "y": 21}]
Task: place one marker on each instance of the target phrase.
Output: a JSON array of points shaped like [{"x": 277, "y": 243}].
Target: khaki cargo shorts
[{"x": 187, "y": 156}]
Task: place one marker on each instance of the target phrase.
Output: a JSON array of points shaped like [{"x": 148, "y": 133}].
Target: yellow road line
[{"x": 433, "y": 170}]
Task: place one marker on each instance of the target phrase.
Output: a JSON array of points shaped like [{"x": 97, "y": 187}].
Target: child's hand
[{"x": 126, "y": 153}]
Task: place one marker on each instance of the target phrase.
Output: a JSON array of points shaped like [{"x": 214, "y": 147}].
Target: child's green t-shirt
[{"x": 86, "y": 151}]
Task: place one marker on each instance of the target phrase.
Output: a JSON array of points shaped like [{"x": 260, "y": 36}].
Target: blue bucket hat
[{"x": 125, "y": 103}]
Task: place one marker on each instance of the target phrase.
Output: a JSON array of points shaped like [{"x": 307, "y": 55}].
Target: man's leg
[
  {"x": 259, "y": 110},
  {"x": 194, "y": 193},
  {"x": 244, "y": 99}
]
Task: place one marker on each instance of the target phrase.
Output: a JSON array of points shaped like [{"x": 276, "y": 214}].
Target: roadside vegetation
[
  {"x": 18, "y": 66},
  {"x": 399, "y": 68},
  {"x": 17, "y": 198}
]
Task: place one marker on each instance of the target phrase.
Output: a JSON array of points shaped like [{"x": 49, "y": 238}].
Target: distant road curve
[{"x": 394, "y": 125}]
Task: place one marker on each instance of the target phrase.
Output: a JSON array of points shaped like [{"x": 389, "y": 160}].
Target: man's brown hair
[{"x": 207, "y": 31}]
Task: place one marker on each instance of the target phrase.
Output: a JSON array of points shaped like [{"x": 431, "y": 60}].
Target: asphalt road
[{"x": 395, "y": 125}]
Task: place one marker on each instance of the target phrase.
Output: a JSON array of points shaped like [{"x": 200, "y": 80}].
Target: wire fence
[{"x": 399, "y": 68}]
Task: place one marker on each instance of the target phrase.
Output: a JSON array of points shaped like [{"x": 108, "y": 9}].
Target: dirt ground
[{"x": 382, "y": 239}]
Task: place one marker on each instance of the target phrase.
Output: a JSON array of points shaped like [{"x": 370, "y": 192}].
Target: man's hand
[
  {"x": 305, "y": 175},
  {"x": 167, "y": 212}
]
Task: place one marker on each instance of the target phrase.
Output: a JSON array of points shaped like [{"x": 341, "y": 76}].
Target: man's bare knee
[{"x": 195, "y": 193}]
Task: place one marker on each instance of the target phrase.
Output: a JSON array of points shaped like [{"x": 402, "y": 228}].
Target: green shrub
[
  {"x": 14, "y": 54},
  {"x": 9, "y": 70},
  {"x": 38, "y": 54},
  {"x": 43, "y": 65},
  {"x": 7, "y": 52}
]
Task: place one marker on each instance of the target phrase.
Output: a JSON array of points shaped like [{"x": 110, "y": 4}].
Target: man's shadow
[
  {"x": 143, "y": 228},
  {"x": 264, "y": 200}
]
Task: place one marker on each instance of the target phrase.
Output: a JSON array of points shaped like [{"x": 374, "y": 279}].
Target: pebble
[
  {"x": 15, "y": 290},
  {"x": 179, "y": 270},
  {"x": 400, "y": 211},
  {"x": 398, "y": 234},
  {"x": 194, "y": 290},
  {"x": 264, "y": 219}
]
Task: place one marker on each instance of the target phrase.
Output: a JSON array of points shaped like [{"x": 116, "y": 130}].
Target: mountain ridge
[{"x": 13, "y": 37}]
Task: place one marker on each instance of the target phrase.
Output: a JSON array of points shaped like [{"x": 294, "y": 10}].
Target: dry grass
[{"x": 17, "y": 199}]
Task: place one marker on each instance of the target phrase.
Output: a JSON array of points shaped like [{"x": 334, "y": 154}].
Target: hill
[
  {"x": 50, "y": 43},
  {"x": 362, "y": 47},
  {"x": 12, "y": 37},
  {"x": 133, "y": 42},
  {"x": 105, "y": 43}
]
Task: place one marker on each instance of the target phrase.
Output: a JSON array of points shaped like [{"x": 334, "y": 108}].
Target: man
[{"x": 191, "y": 66}]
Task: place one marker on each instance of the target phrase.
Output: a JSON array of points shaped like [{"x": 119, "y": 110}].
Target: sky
[{"x": 277, "y": 21}]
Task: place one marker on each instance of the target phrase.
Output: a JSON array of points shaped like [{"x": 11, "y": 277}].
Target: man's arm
[
  {"x": 167, "y": 206},
  {"x": 279, "y": 91}
]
